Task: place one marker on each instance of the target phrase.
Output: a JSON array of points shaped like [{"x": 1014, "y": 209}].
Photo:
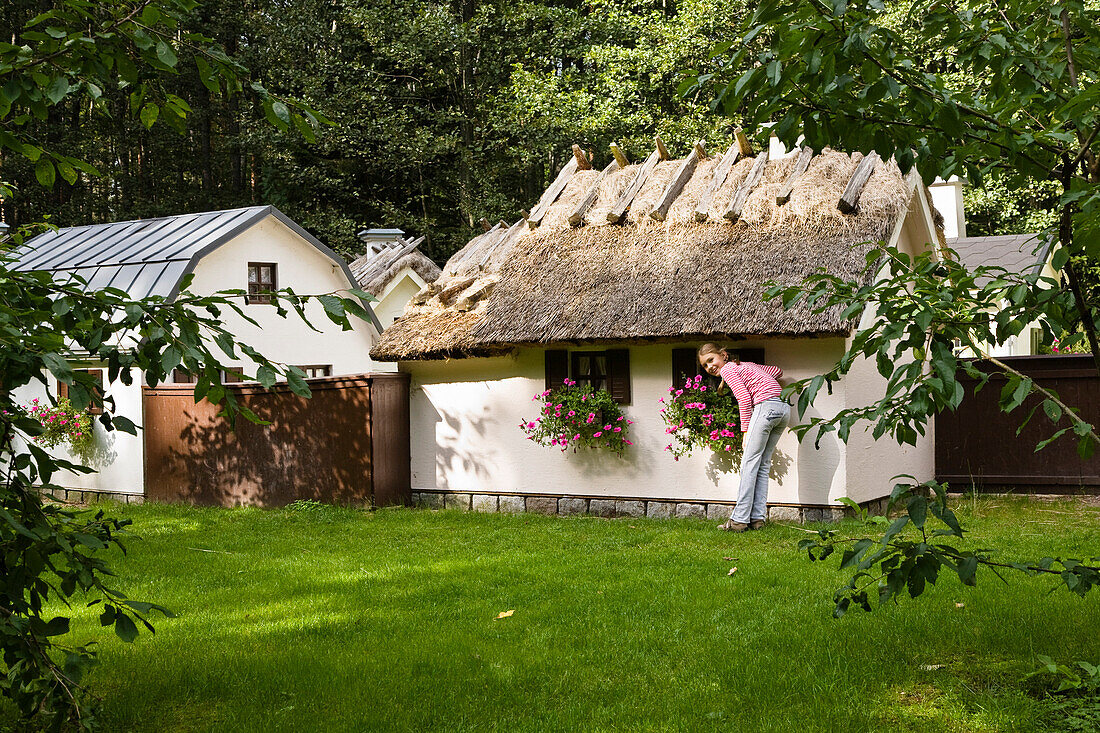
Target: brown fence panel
[
  {"x": 977, "y": 444},
  {"x": 328, "y": 448}
]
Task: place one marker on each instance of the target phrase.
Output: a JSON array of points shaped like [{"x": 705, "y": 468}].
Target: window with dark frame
[
  {"x": 97, "y": 375},
  {"x": 261, "y": 281},
  {"x": 182, "y": 376},
  {"x": 685, "y": 365},
  {"x": 589, "y": 367},
  {"x": 609, "y": 369},
  {"x": 313, "y": 371}
]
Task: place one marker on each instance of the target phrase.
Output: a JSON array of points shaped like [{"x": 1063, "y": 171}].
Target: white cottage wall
[
  {"x": 466, "y": 436},
  {"x": 306, "y": 270},
  {"x": 118, "y": 456}
]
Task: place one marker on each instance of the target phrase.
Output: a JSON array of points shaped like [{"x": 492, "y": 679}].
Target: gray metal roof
[
  {"x": 150, "y": 256},
  {"x": 1020, "y": 253}
]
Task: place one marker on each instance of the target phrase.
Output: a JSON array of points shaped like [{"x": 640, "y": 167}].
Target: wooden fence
[
  {"x": 348, "y": 444},
  {"x": 977, "y": 445}
]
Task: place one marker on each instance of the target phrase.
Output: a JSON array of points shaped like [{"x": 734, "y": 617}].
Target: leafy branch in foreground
[
  {"x": 50, "y": 553},
  {"x": 915, "y": 311},
  {"x": 917, "y": 545}
]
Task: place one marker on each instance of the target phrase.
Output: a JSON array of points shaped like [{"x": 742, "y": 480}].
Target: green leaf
[
  {"x": 44, "y": 172},
  {"x": 57, "y": 90},
  {"x": 918, "y": 510},
  {"x": 125, "y": 628},
  {"x": 149, "y": 114},
  {"x": 1053, "y": 411},
  {"x": 166, "y": 55}
]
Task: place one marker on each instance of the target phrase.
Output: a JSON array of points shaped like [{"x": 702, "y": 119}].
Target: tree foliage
[
  {"x": 445, "y": 111},
  {"x": 917, "y": 546},
  {"x": 108, "y": 60}
]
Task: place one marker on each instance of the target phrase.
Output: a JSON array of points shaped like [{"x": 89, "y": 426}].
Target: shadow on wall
[
  {"x": 720, "y": 465},
  {"x": 817, "y": 467},
  {"x": 317, "y": 449},
  {"x": 102, "y": 451},
  {"x": 461, "y": 445}
]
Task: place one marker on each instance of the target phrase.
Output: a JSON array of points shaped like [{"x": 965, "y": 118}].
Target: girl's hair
[{"x": 715, "y": 349}]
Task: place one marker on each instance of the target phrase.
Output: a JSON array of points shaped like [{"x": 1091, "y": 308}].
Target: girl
[{"x": 763, "y": 417}]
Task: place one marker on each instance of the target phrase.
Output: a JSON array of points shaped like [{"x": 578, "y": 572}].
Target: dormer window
[{"x": 261, "y": 281}]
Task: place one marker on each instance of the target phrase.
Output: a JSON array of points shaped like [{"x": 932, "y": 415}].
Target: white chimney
[
  {"x": 947, "y": 197},
  {"x": 378, "y": 240}
]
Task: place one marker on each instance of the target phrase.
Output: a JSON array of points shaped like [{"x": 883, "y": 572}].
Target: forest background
[{"x": 444, "y": 112}]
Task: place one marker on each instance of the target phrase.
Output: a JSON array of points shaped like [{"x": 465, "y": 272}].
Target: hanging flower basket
[
  {"x": 63, "y": 424},
  {"x": 575, "y": 416},
  {"x": 698, "y": 416}
]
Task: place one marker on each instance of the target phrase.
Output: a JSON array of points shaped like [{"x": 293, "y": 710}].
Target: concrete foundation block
[
  {"x": 602, "y": 507},
  {"x": 414, "y": 498},
  {"x": 510, "y": 504},
  {"x": 832, "y": 514},
  {"x": 691, "y": 511},
  {"x": 484, "y": 503},
  {"x": 784, "y": 514},
  {"x": 542, "y": 505},
  {"x": 659, "y": 509},
  {"x": 572, "y": 506},
  {"x": 431, "y": 501},
  {"x": 457, "y": 501},
  {"x": 720, "y": 512},
  {"x": 630, "y": 508},
  {"x": 135, "y": 499}
]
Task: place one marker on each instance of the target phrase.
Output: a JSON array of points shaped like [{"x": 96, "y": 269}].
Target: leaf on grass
[
  {"x": 505, "y": 614},
  {"x": 960, "y": 605},
  {"x": 732, "y": 571}
]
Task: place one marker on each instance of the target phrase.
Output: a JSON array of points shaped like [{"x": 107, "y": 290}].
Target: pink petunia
[{"x": 597, "y": 434}]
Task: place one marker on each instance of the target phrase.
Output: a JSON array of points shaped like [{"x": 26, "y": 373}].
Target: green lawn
[{"x": 342, "y": 620}]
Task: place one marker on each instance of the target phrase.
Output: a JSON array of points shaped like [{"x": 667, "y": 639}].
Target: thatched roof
[
  {"x": 375, "y": 270},
  {"x": 642, "y": 279}
]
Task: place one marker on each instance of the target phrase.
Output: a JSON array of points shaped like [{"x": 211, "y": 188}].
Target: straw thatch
[
  {"x": 374, "y": 272},
  {"x": 647, "y": 280}
]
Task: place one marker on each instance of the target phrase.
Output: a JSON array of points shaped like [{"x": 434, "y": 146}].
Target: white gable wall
[{"x": 299, "y": 266}]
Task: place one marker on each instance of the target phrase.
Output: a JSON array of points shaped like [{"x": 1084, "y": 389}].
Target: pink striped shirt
[{"x": 751, "y": 385}]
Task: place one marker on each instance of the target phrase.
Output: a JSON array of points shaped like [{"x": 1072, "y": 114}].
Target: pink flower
[
  {"x": 618, "y": 430},
  {"x": 728, "y": 448},
  {"x": 577, "y": 436},
  {"x": 628, "y": 442},
  {"x": 606, "y": 427},
  {"x": 530, "y": 426},
  {"x": 572, "y": 413},
  {"x": 597, "y": 434}
]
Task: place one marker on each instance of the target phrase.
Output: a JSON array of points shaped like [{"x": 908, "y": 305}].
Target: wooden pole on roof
[
  {"x": 618, "y": 211},
  {"x": 576, "y": 218},
  {"x": 743, "y": 143},
  {"x": 849, "y": 200},
  {"x": 800, "y": 167},
  {"x": 583, "y": 163},
  {"x": 683, "y": 175},
  {"x": 620, "y": 156},
  {"x": 661, "y": 147},
  {"x": 702, "y": 210},
  {"x": 551, "y": 194},
  {"x": 733, "y": 211},
  {"x": 485, "y": 225}
]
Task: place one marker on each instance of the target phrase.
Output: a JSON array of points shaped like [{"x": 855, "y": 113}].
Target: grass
[{"x": 341, "y": 620}]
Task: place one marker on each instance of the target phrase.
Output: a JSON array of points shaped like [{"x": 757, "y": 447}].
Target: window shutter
[
  {"x": 97, "y": 375},
  {"x": 685, "y": 365},
  {"x": 557, "y": 367},
  {"x": 618, "y": 375}
]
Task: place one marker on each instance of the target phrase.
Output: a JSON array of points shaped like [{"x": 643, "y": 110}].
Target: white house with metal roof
[{"x": 256, "y": 249}]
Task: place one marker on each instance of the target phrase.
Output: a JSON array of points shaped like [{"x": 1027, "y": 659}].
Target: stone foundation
[
  {"x": 618, "y": 507},
  {"x": 86, "y": 496}
]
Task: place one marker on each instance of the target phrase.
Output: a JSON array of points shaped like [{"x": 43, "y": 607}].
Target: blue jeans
[{"x": 766, "y": 425}]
